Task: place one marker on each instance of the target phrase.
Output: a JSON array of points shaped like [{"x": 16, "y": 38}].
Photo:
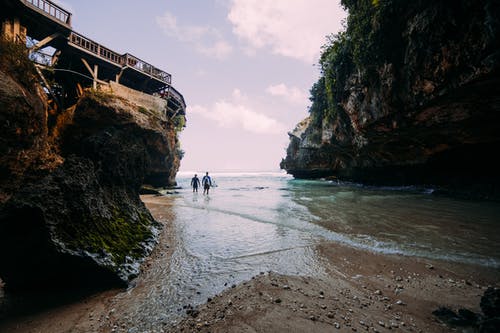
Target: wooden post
[
  {"x": 92, "y": 72},
  {"x": 44, "y": 41},
  {"x": 118, "y": 76},
  {"x": 13, "y": 30},
  {"x": 96, "y": 68}
]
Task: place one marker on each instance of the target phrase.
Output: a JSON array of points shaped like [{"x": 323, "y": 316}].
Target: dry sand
[{"x": 362, "y": 292}]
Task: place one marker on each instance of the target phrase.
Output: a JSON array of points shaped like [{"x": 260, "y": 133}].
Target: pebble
[
  {"x": 337, "y": 325},
  {"x": 400, "y": 302}
]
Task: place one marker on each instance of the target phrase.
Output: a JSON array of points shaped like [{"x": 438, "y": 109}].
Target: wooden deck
[{"x": 50, "y": 24}]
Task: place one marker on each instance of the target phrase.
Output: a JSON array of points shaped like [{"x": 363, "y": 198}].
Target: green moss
[
  {"x": 144, "y": 110},
  {"x": 120, "y": 235},
  {"x": 100, "y": 96}
]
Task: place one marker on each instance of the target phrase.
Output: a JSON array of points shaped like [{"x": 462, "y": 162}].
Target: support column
[
  {"x": 118, "y": 76},
  {"x": 12, "y": 30},
  {"x": 92, "y": 72},
  {"x": 94, "y": 85}
]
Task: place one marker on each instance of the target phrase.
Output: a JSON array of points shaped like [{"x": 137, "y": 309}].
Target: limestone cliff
[
  {"x": 409, "y": 94},
  {"x": 70, "y": 211}
]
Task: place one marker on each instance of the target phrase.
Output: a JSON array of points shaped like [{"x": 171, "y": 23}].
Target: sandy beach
[{"x": 362, "y": 291}]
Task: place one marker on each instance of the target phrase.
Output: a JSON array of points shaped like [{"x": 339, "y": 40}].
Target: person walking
[
  {"x": 195, "y": 182},
  {"x": 207, "y": 182}
]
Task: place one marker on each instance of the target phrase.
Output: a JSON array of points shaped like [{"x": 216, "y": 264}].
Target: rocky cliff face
[
  {"x": 70, "y": 212},
  {"x": 410, "y": 94}
]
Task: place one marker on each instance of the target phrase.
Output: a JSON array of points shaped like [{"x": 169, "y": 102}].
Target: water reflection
[{"x": 405, "y": 220}]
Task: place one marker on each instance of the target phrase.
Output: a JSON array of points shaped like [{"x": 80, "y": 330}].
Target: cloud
[
  {"x": 219, "y": 50},
  {"x": 292, "y": 95},
  {"x": 236, "y": 114},
  {"x": 295, "y": 29},
  {"x": 205, "y": 39}
]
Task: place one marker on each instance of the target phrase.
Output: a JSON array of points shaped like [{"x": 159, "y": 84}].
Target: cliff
[
  {"x": 408, "y": 94},
  {"x": 70, "y": 212}
]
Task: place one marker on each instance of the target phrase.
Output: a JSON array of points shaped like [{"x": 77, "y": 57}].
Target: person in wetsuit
[
  {"x": 195, "y": 182},
  {"x": 207, "y": 182}
]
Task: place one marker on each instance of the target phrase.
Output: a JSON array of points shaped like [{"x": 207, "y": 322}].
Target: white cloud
[
  {"x": 293, "y": 95},
  {"x": 236, "y": 114},
  {"x": 295, "y": 29},
  {"x": 206, "y": 40},
  {"x": 219, "y": 50}
]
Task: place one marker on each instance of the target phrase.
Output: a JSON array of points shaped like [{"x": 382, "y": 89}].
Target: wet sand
[{"x": 362, "y": 291}]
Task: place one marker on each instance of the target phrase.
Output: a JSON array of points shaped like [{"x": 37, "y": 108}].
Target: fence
[{"x": 51, "y": 9}]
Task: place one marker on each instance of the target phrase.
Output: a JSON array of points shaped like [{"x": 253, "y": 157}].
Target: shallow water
[
  {"x": 252, "y": 223},
  {"x": 274, "y": 210}
]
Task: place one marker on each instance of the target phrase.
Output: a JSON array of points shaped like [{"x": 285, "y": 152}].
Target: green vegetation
[
  {"x": 14, "y": 60},
  {"x": 179, "y": 122},
  {"x": 101, "y": 96},
  {"x": 370, "y": 39},
  {"x": 143, "y": 110},
  {"x": 119, "y": 235}
]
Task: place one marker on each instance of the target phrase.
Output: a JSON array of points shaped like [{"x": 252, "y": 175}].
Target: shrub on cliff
[{"x": 14, "y": 61}]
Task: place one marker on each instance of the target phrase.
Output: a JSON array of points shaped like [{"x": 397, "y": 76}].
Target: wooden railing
[
  {"x": 62, "y": 16},
  {"x": 95, "y": 48},
  {"x": 146, "y": 68},
  {"x": 51, "y": 9},
  {"x": 118, "y": 59},
  {"x": 177, "y": 96}
]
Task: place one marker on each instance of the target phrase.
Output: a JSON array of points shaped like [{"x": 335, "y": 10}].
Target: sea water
[
  {"x": 251, "y": 223},
  {"x": 256, "y": 213}
]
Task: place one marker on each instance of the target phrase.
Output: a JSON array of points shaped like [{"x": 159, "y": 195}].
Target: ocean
[
  {"x": 252, "y": 223},
  {"x": 256, "y": 213}
]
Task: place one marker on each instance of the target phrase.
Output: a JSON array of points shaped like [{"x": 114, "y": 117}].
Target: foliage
[
  {"x": 179, "y": 122},
  {"x": 14, "y": 60},
  {"x": 370, "y": 39},
  {"x": 100, "y": 96}
]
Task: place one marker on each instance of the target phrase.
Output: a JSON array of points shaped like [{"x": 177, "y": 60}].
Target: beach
[
  {"x": 364, "y": 292},
  {"x": 244, "y": 282}
]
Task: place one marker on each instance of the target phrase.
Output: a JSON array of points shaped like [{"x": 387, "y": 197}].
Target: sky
[{"x": 244, "y": 67}]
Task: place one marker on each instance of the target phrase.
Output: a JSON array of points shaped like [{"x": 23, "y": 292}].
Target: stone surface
[
  {"x": 70, "y": 212},
  {"x": 427, "y": 113}
]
